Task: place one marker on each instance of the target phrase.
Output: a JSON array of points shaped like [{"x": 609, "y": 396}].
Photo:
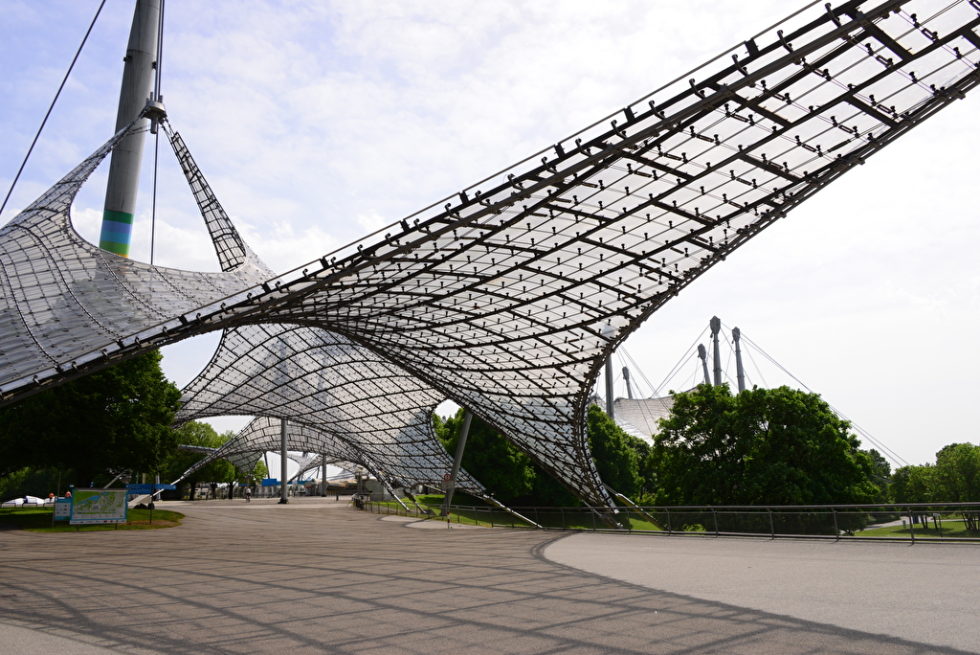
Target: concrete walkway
[
  {"x": 925, "y": 592},
  {"x": 317, "y": 577}
]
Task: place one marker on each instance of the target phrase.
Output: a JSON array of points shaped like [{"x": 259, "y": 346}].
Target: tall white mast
[{"x": 124, "y": 168}]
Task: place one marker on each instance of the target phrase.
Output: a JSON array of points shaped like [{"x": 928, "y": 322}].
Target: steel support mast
[
  {"x": 283, "y": 465},
  {"x": 715, "y": 329},
  {"x": 124, "y": 167},
  {"x": 739, "y": 369}
]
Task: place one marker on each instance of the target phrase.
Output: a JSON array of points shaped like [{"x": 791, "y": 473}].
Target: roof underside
[{"x": 510, "y": 295}]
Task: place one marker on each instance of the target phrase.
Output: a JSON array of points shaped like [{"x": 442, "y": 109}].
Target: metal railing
[{"x": 927, "y": 522}]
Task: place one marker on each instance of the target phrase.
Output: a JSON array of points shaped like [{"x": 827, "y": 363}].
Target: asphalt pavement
[{"x": 316, "y": 576}]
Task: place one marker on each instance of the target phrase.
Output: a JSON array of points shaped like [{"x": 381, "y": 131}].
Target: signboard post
[{"x": 98, "y": 506}]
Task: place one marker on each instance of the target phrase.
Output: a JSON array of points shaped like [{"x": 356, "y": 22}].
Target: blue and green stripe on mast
[{"x": 124, "y": 167}]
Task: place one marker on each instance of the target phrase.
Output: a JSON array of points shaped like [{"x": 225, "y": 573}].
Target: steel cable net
[
  {"x": 509, "y": 297},
  {"x": 326, "y": 382},
  {"x": 263, "y": 434},
  {"x": 314, "y": 376}
]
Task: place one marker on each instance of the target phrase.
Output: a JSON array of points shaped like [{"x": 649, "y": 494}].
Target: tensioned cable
[
  {"x": 51, "y": 107},
  {"x": 888, "y": 452},
  {"x": 682, "y": 360},
  {"x": 156, "y": 144},
  {"x": 639, "y": 371}
]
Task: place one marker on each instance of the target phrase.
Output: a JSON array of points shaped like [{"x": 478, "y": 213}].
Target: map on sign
[{"x": 98, "y": 506}]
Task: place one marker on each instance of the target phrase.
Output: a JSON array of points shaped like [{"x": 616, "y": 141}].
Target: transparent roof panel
[{"x": 508, "y": 296}]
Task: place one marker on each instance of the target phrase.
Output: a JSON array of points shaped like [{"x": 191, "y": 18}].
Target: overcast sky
[{"x": 317, "y": 122}]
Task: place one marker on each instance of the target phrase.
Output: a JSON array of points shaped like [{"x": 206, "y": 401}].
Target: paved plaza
[{"x": 318, "y": 577}]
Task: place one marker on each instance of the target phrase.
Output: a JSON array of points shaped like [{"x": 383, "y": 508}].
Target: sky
[{"x": 319, "y": 122}]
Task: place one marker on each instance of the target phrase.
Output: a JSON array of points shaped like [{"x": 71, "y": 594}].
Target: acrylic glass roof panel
[
  {"x": 324, "y": 381},
  {"x": 509, "y": 297},
  {"x": 310, "y": 375},
  {"x": 65, "y": 303},
  {"x": 264, "y": 434}
]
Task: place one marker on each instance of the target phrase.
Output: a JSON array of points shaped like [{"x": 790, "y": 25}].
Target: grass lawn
[
  {"x": 568, "y": 518},
  {"x": 38, "y": 519},
  {"x": 950, "y": 528}
]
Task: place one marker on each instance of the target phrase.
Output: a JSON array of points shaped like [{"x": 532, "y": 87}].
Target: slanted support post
[
  {"x": 703, "y": 356},
  {"x": 283, "y": 464},
  {"x": 323, "y": 475},
  {"x": 715, "y": 329},
  {"x": 610, "y": 405},
  {"x": 464, "y": 432},
  {"x": 739, "y": 369}
]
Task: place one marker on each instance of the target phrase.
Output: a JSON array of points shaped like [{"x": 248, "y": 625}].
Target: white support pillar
[
  {"x": 283, "y": 465},
  {"x": 610, "y": 400},
  {"x": 323, "y": 475},
  {"x": 124, "y": 165}
]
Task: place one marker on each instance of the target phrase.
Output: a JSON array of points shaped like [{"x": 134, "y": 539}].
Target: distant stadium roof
[{"x": 640, "y": 416}]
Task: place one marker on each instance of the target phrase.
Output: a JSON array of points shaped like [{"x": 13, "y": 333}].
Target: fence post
[
  {"x": 562, "y": 509},
  {"x": 669, "y": 529},
  {"x": 836, "y": 529},
  {"x": 911, "y": 524},
  {"x": 714, "y": 515},
  {"x": 772, "y": 526}
]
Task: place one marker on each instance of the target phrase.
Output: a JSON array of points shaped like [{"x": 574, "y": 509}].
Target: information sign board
[
  {"x": 98, "y": 506},
  {"x": 62, "y": 509}
]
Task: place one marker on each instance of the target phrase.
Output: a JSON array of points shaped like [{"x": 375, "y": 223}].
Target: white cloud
[{"x": 318, "y": 122}]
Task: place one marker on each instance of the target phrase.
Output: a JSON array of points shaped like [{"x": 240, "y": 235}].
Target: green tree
[
  {"x": 957, "y": 477},
  {"x": 490, "y": 458},
  {"x": 762, "y": 446},
  {"x": 195, "y": 433},
  {"x": 115, "y": 419},
  {"x": 616, "y": 453},
  {"x": 914, "y": 484},
  {"x": 515, "y": 478},
  {"x": 881, "y": 474}
]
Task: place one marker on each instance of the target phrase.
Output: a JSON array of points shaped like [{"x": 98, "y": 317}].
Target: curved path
[{"x": 317, "y": 577}]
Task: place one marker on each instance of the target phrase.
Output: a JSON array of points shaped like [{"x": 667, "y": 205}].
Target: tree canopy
[
  {"x": 115, "y": 419},
  {"x": 514, "y": 478},
  {"x": 492, "y": 459},
  {"x": 762, "y": 446},
  {"x": 195, "y": 433}
]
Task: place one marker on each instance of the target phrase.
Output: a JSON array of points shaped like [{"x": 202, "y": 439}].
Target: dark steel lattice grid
[
  {"x": 639, "y": 197},
  {"x": 263, "y": 434},
  {"x": 319, "y": 378},
  {"x": 854, "y": 62}
]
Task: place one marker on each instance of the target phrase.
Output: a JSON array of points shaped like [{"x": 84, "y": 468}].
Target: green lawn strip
[
  {"x": 556, "y": 518},
  {"x": 952, "y": 528},
  {"x": 38, "y": 519}
]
